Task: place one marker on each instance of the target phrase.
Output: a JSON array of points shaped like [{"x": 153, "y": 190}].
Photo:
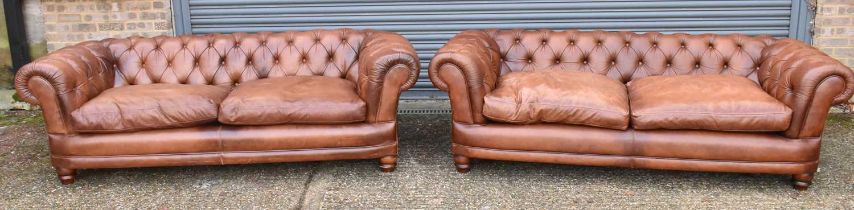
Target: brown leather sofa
[
  {"x": 722, "y": 103},
  {"x": 222, "y": 99}
]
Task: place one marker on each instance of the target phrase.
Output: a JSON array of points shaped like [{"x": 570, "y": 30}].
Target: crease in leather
[
  {"x": 293, "y": 100},
  {"x": 383, "y": 99},
  {"x": 558, "y": 96},
  {"x": 809, "y": 102}
]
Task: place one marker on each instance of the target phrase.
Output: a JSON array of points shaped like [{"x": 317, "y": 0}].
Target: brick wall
[
  {"x": 68, "y": 22},
  {"x": 834, "y": 29}
]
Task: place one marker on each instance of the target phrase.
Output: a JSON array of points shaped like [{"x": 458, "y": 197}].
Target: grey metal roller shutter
[{"x": 428, "y": 24}]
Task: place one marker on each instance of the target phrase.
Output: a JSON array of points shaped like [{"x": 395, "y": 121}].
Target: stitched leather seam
[
  {"x": 389, "y": 143},
  {"x": 709, "y": 113},
  {"x": 220, "y": 144},
  {"x": 264, "y": 107},
  {"x": 633, "y": 148},
  {"x": 636, "y": 156},
  {"x": 561, "y": 105},
  {"x": 621, "y": 127},
  {"x": 186, "y": 123},
  {"x": 296, "y": 122}
]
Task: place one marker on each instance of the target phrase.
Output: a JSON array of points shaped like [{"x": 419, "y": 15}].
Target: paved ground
[{"x": 425, "y": 179}]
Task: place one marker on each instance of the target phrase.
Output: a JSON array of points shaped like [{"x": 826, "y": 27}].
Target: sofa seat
[
  {"x": 152, "y": 106},
  {"x": 293, "y": 100},
  {"x": 705, "y": 102},
  {"x": 558, "y": 96}
]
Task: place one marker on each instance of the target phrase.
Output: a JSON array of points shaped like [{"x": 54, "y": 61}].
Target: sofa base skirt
[
  {"x": 635, "y": 161},
  {"x": 225, "y": 158}
]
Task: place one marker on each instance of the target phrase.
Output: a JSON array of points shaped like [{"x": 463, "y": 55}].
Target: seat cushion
[
  {"x": 295, "y": 99},
  {"x": 556, "y": 96},
  {"x": 153, "y": 106},
  {"x": 705, "y": 102}
]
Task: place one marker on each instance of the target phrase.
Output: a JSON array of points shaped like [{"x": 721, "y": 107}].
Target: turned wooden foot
[
  {"x": 66, "y": 176},
  {"x": 462, "y": 163},
  {"x": 388, "y": 163},
  {"x": 802, "y": 181}
]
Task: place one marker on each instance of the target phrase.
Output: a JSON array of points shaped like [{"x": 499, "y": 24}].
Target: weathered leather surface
[
  {"x": 376, "y": 65},
  {"x": 145, "y": 107},
  {"x": 559, "y": 96},
  {"x": 795, "y": 74},
  {"x": 293, "y": 100},
  {"x": 705, "y": 102}
]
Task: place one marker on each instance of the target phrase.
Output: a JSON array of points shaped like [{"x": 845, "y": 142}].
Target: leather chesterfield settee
[
  {"x": 720, "y": 103},
  {"x": 222, "y": 99}
]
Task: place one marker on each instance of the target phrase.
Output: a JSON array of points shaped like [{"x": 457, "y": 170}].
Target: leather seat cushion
[
  {"x": 557, "y": 96},
  {"x": 705, "y": 102},
  {"x": 294, "y": 99},
  {"x": 152, "y": 106}
]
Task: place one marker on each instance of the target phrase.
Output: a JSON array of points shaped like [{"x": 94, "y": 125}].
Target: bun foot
[
  {"x": 66, "y": 176},
  {"x": 802, "y": 181},
  {"x": 388, "y": 163},
  {"x": 462, "y": 163}
]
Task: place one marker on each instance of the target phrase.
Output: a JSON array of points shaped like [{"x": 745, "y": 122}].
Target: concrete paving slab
[{"x": 425, "y": 178}]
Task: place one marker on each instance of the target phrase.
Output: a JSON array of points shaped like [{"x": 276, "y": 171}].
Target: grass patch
[
  {"x": 20, "y": 117},
  {"x": 841, "y": 120}
]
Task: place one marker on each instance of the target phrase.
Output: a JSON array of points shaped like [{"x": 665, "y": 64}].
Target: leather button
[{"x": 530, "y": 61}]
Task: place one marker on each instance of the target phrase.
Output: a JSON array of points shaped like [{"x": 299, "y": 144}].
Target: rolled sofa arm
[
  {"x": 467, "y": 67},
  {"x": 388, "y": 66},
  {"x": 64, "y": 80},
  {"x": 806, "y": 80}
]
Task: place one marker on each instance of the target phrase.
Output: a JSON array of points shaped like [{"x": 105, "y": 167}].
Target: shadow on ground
[{"x": 425, "y": 178}]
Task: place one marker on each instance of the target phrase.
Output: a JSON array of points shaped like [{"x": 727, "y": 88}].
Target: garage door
[{"x": 428, "y": 24}]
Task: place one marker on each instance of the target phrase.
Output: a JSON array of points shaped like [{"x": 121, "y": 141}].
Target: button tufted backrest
[
  {"x": 229, "y": 59},
  {"x": 625, "y": 56}
]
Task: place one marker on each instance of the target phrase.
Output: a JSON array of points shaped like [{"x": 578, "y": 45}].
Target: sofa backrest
[
  {"x": 625, "y": 56},
  {"x": 229, "y": 59}
]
